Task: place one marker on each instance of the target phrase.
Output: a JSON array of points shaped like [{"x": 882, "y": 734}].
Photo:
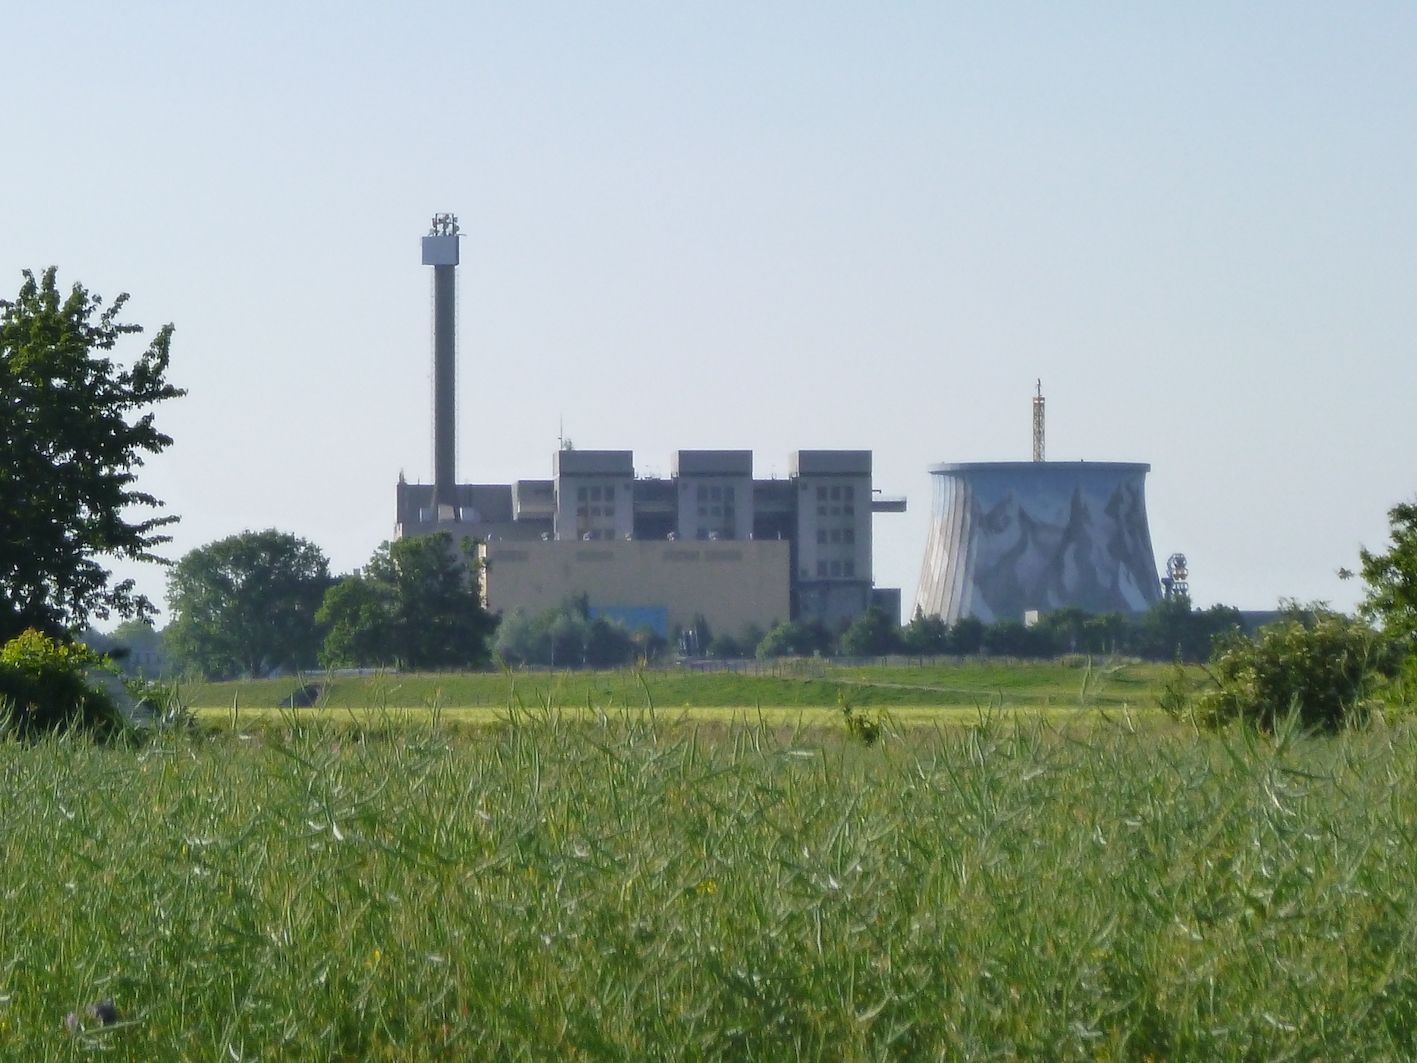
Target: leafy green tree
[
  {"x": 872, "y": 634},
  {"x": 967, "y": 636},
  {"x": 1391, "y": 577},
  {"x": 568, "y": 638},
  {"x": 795, "y": 639},
  {"x": 1011, "y": 638},
  {"x": 420, "y": 609},
  {"x": 247, "y": 604},
  {"x": 1172, "y": 630},
  {"x": 925, "y": 636},
  {"x": 1108, "y": 633},
  {"x": 76, "y": 427},
  {"x": 44, "y": 688},
  {"x": 1066, "y": 629},
  {"x": 1328, "y": 668},
  {"x": 356, "y": 615}
]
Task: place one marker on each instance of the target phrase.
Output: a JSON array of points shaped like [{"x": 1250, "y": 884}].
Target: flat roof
[{"x": 1059, "y": 467}]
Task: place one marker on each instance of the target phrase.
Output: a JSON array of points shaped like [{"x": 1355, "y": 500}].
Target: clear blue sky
[{"x": 771, "y": 226}]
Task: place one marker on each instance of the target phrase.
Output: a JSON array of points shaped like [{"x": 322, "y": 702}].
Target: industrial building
[
  {"x": 710, "y": 540},
  {"x": 1010, "y": 538}
]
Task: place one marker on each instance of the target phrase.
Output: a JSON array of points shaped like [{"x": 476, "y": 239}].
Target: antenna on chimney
[{"x": 1038, "y": 423}]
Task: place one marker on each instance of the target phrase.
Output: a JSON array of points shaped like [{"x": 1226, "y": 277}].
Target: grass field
[
  {"x": 972, "y": 684},
  {"x": 636, "y": 887}
]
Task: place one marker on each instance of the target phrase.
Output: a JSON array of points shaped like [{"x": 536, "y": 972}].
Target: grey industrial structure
[
  {"x": 1006, "y": 539},
  {"x": 710, "y": 540},
  {"x": 655, "y": 551},
  {"x": 1013, "y": 537}
]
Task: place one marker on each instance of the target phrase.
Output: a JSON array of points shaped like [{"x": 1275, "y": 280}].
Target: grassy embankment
[
  {"x": 634, "y": 888},
  {"x": 928, "y": 693}
]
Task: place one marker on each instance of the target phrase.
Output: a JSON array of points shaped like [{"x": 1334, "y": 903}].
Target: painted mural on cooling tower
[{"x": 1007, "y": 537}]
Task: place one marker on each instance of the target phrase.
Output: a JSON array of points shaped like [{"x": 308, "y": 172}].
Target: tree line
[{"x": 262, "y": 602}]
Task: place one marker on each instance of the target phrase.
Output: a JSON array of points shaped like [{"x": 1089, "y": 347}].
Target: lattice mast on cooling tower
[
  {"x": 440, "y": 250},
  {"x": 1038, "y": 423}
]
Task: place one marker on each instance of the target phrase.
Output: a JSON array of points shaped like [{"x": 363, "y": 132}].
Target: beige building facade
[{"x": 665, "y": 584}]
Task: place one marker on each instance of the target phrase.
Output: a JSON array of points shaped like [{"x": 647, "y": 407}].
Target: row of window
[
  {"x": 836, "y": 511},
  {"x": 595, "y": 494},
  {"x": 835, "y": 535},
  {"x": 826, "y": 569},
  {"x": 714, "y": 493},
  {"x": 595, "y": 511},
  {"x": 839, "y": 493}
]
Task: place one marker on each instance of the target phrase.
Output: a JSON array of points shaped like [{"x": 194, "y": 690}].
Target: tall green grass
[{"x": 633, "y": 888}]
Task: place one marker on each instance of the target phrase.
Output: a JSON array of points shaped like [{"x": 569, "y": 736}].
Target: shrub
[
  {"x": 794, "y": 639},
  {"x": 43, "y": 688},
  {"x": 1328, "y": 668}
]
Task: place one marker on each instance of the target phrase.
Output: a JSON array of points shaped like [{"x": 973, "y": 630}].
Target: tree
[
  {"x": 246, "y": 604},
  {"x": 1391, "y": 577},
  {"x": 77, "y": 426},
  {"x": 414, "y": 605},
  {"x": 1329, "y": 669},
  {"x": 872, "y": 634},
  {"x": 1172, "y": 630},
  {"x": 794, "y": 639},
  {"x": 926, "y": 636}
]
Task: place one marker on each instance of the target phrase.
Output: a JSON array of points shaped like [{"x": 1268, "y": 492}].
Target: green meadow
[
  {"x": 969, "y": 684},
  {"x": 1037, "y": 876}
]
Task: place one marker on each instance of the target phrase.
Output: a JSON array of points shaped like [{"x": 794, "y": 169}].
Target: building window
[
  {"x": 836, "y": 568},
  {"x": 848, "y": 535},
  {"x": 580, "y": 494},
  {"x": 847, "y": 492},
  {"x": 848, "y": 568},
  {"x": 821, "y": 494},
  {"x": 728, "y": 493},
  {"x": 716, "y": 493},
  {"x": 836, "y": 535},
  {"x": 821, "y": 511},
  {"x": 702, "y": 533},
  {"x": 836, "y": 494},
  {"x": 821, "y": 537},
  {"x": 822, "y": 569}
]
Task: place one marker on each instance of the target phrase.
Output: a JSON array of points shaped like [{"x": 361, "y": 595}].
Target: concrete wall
[
  {"x": 731, "y": 583},
  {"x": 1008, "y": 537}
]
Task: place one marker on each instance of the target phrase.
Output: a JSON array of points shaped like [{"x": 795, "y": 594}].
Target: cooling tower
[{"x": 1010, "y": 536}]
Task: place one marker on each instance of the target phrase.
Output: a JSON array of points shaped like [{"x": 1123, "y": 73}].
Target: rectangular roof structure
[
  {"x": 593, "y": 463},
  {"x": 830, "y": 463},
  {"x": 712, "y": 463}
]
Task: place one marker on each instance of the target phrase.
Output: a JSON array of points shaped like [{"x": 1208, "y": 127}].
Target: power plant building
[
  {"x": 708, "y": 540},
  {"x": 1008, "y": 539}
]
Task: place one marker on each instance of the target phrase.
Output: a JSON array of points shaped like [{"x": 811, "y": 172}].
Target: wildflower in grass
[{"x": 708, "y": 887}]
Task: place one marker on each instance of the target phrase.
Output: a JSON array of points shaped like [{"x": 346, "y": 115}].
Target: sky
[{"x": 763, "y": 226}]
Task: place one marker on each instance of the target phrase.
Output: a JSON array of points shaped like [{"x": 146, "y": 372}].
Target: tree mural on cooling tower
[{"x": 1013, "y": 536}]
